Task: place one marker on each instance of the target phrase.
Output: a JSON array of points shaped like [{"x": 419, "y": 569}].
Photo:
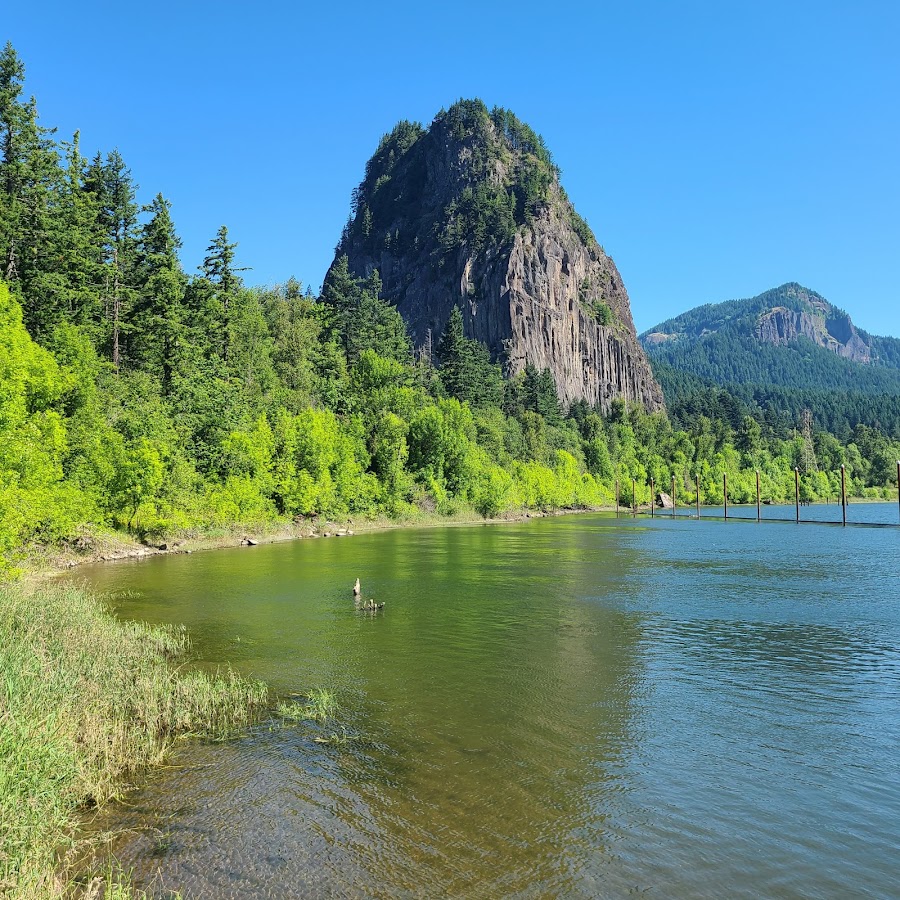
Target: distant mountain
[{"x": 784, "y": 350}]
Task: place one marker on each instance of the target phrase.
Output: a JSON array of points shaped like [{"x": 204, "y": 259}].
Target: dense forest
[{"x": 135, "y": 395}]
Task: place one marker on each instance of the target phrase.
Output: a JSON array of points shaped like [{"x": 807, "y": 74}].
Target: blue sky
[{"x": 716, "y": 149}]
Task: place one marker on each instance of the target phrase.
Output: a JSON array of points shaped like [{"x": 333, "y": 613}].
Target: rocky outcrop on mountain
[
  {"x": 820, "y": 324},
  {"x": 785, "y": 349},
  {"x": 654, "y": 338},
  {"x": 470, "y": 213},
  {"x": 779, "y": 317}
]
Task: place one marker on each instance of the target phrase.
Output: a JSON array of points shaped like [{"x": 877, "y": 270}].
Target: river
[{"x": 566, "y": 707}]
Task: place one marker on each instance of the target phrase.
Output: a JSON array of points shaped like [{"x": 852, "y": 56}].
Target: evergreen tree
[
  {"x": 539, "y": 393},
  {"x": 30, "y": 183},
  {"x": 219, "y": 271},
  {"x": 79, "y": 273},
  {"x": 452, "y": 353},
  {"x": 339, "y": 294},
  {"x": 156, "y": 321},
  {"x": 360, "y": 319},
  {"x": 114, "y": 190},
  {"x": 467, "y": 372},
  {"x": 373, "y": 324}
]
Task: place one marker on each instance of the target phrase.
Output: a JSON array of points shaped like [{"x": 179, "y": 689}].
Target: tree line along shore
[{"x": 140, "y": 398}]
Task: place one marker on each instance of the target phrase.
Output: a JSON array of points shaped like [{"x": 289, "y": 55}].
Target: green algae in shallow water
[{"x": 334, "y": 738}]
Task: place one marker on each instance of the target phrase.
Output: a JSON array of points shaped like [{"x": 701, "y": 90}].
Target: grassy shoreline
[{"x": 87, "y": 701}]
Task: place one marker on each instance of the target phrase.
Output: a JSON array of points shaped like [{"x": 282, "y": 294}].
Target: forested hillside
[
  {"x": 138, "y": 396},
  {"x": 780, "y": 353}
]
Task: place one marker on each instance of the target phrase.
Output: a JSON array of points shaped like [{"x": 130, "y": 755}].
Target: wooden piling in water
[
  {"x": 725, "y": 491},
  {"x": 633, "y": 497},
  {"x": 797, "y": 491},
  {"x": 674, "y": 503},
  {"x": 844, "y": 494},
  {"x": 617, "y": 498},
  {"x": 697, "y": 479},
  {"x": 652, "y": 499},
  {"x": 758, "y": 507}
]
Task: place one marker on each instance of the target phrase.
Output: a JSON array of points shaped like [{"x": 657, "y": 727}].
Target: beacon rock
[{"x": 470, "y": 212}]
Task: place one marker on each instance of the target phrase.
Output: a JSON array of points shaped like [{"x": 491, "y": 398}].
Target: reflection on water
[{"x": 567, "y": 707}]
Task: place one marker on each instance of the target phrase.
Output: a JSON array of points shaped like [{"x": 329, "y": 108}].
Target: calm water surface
[{"x": 571, "y": 707}]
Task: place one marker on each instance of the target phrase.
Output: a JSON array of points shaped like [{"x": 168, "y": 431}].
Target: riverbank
[
  {"x": 94, "y": 546},
  {"x": 512, "y": 648},
  {"x": 87, "y": 701}
]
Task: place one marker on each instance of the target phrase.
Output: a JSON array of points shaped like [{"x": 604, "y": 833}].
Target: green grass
[
  {"x": 85, "y": 702},
  {"x": 319, "y": 706}
]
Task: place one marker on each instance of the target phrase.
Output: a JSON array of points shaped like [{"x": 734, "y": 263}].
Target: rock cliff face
[
  {"x": 470, "y": 213},
  {"x": 779, "y": 317},
  {"x": 819, "y": 322}
]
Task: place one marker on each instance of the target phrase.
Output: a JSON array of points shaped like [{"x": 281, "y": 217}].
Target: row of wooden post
[{"x": 758, "y": 497}]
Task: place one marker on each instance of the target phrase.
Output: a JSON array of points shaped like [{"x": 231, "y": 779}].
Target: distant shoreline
[{"x": 115, "y": 546}]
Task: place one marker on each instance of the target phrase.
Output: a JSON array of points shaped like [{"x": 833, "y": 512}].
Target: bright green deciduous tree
[{"x": 35, "y": 501}]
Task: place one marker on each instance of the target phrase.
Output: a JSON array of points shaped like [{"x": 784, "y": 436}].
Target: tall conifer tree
[
  {"x": 30, "y": 184},
  {"x": 219, "y": 270},
  {"x": 156, "y": 323},
  {"x": 114, "y": 193}
]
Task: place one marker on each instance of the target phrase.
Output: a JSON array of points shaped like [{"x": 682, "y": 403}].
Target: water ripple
[{"x": 564, "y": 708}]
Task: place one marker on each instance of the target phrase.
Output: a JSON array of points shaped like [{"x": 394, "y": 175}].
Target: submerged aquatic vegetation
[
  {"x": 335, "y": 738},
  {"x": 319, "y": 705},
  {"x": 85, "y": 701},
  {"x": 114, "y": 883}
]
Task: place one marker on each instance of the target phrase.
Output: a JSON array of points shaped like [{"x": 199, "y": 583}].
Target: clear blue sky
[{"x": 716, "y": 149}]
